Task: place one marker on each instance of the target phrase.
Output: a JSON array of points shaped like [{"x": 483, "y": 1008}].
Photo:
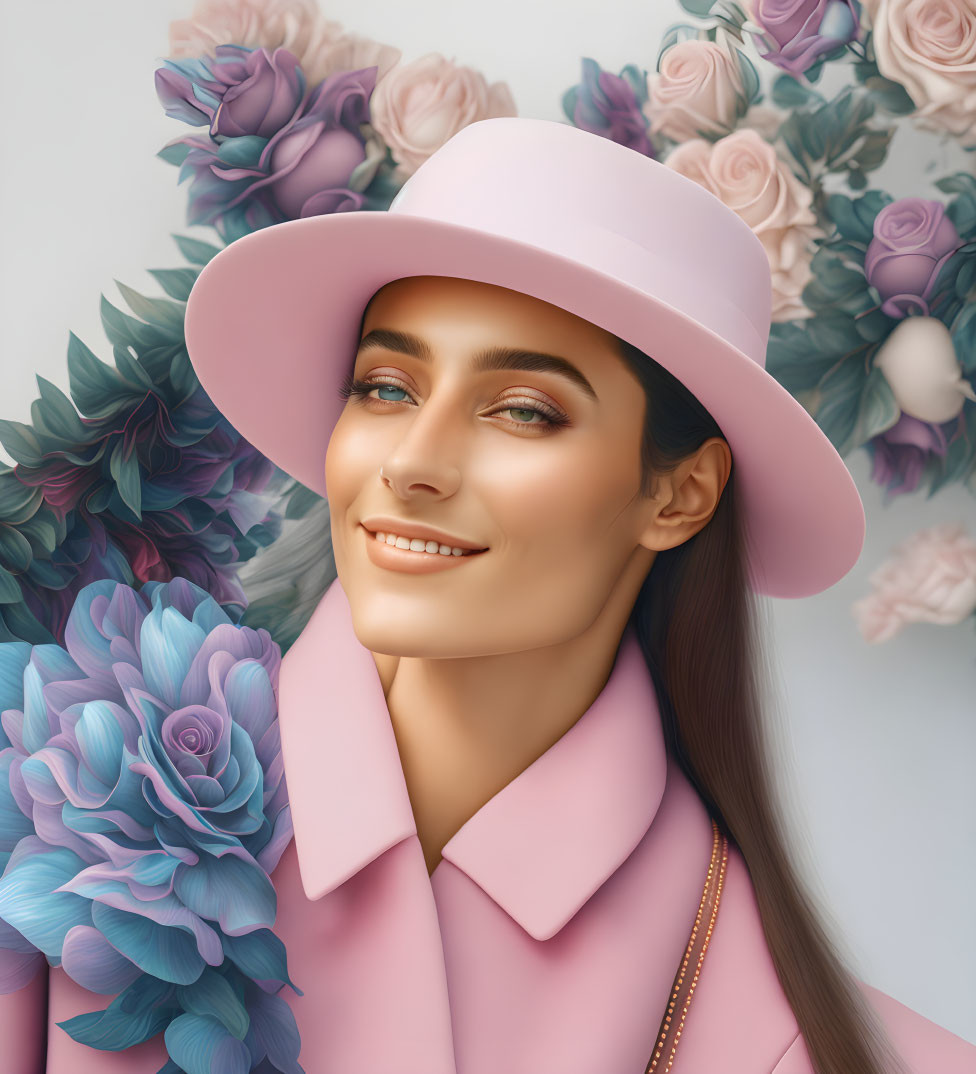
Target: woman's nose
[{"x": 426, "y": 459}]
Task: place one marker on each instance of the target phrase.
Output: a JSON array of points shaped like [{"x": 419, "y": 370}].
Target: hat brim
[{"x": 272, "y": 327}]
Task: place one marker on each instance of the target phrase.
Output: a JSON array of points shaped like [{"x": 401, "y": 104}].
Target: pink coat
[{"x": 548, "y": 936}]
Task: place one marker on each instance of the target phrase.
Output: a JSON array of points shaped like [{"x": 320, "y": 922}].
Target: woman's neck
[{"x": 466, "y": 727}]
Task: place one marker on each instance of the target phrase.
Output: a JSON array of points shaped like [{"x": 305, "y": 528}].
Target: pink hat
[{"x": 576, "y": 220}]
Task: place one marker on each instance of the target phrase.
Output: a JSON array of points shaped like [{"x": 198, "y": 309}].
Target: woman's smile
[{"x": 393, "y": 555}]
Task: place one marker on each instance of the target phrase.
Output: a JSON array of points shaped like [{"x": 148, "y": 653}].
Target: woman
[{"x": 533, "y": 828}]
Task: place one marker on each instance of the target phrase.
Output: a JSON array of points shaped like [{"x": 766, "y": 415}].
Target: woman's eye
[
  {"x": 540, "y": 416},
  {"x": 386, "y": 388},
  {"x": 524, "y": 415}
]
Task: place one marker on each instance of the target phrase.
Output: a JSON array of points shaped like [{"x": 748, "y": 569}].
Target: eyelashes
[{"x": 351, "y": 388}]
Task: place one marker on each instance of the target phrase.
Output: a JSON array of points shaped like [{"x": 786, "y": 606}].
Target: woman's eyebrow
[{"x": 491, "y": 359}]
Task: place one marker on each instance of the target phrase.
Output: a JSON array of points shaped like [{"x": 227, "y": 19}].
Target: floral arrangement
[
  {"x": 144, "y": 807},
  {"x": 154, "y": 565},
  {"x": 930, "y": 578}
]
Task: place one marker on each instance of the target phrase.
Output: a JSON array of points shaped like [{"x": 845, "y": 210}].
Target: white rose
[
  {"x": 929, "y": 46},
  {"x": 743, "y": 171},
  {"x": 420, "y": 105},
  {"x": 698, "y": 91}
]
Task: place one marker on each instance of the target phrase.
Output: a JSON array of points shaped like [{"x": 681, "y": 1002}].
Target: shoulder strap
[{"x": 694, "y": 957}]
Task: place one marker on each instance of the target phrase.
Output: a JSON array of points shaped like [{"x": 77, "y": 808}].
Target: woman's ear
[{"x": 685, "y": 499}]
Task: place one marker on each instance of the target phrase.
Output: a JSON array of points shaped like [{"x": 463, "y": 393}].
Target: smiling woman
[
  {"x": 521, "y": 732},
  {"x": 533, "y": 823}
]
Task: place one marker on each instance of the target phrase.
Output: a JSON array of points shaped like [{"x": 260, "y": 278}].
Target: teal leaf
[
  {"x": 89, "y": 378},
  {"x": 201, "y": 1045},
  {"x": 878, "y": 409},
  {"x": 213, "y": 996},
  {"x": 959, "y": 462},
  {"x": 137, "y": 1013},
  {"x": 10, "y": 591},
  {"x": 15, "y": 549},
  {"x": 873, "y": 326},
  {"x": 162, "y": 312},
  {"x": 125, "y": 331},
  {"x": 177, "y": 283},
  {"x": 29, "y": 900},
  {"x": 195, "y": 251},
  {"x": 21, "y": 442},
  {"x": 964, "y": 339},
  {"x": 259, "y": 955},
  {"x": 750, "y": 80},
  {"x": 834, "y": 286},
  {"x": 126, "y": 473},
  {"x": 174, "y": 152},
  {"x": 167, "y": 952},
  {"x": 789, "y": 93},
  {"x": 54, "y": 415},
  {"x": 242, "y": 152},
  {"x": 698, "y": 8},
  {"x": 840, "y": 403}
]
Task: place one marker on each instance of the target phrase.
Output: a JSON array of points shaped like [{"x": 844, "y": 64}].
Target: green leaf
[
  {"x": 124, "y": 331},
  {"x": 39, "y": 532},
  {"x": 177, "y": 283},
  {"x": 20, "y": 442},
  {"x": 90, "y": 380},
  {"x": 793, "y": 357},
  {"x": 873, "y": 326},
  {"x": 18, "y": 502},
  {"x": 878, "y": 409},
  {"x": 10, "y": 591},
  {"x": 568, "y": 103},
  {"x": 847, "y": 220},
  {"x": 174, "y": 152},
  {"x": 15, "y": 549},
  {"x": 964, "y": 339},
  {"x": 789, "y": 93},
  {"x": 125, "y": 470},
  {"x": 840, "y": 403},
  {"x": 196, "y": 252},
  {"x": 132, "y": 371},
  {"x": 834, "y": 287},
  {"x": 750, "y": 80},
  {"x": 162, "y": 312},
  {"x": 698, "y": 8},
  {"x": 54, "y": 414},
  {"x": 243, "y": 151}
]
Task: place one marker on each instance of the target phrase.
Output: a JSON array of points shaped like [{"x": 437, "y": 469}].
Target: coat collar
[{"x": 539, "y": 848}]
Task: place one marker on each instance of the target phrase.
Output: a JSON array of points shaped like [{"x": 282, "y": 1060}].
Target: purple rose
[
  {"x": 316, "y": 164},
  {"x": 901, "y": 453},
  {"x": 240, "y": 92},
  {"x": 609, "y": 105},
  {"x": 799, "y": 32},
  {"x": 913, "y": 238}
]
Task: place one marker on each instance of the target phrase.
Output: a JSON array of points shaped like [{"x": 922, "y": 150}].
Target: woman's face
[{"x": 534, "y": 461}]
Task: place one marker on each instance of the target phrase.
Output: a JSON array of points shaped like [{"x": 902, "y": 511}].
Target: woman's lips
[{"x": 402, "y": 559}]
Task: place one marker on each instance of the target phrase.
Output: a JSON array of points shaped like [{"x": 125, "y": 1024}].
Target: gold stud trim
[{"x": 684, "y": 985}]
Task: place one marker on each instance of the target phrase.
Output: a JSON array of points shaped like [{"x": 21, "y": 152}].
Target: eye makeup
[{"x": 353, "y": 388}]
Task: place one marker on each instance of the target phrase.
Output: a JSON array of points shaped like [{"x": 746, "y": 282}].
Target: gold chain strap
[{"x": 684, "y": 986}]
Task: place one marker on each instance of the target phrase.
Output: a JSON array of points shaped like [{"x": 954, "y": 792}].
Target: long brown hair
[{"x": 696, "y": 619}]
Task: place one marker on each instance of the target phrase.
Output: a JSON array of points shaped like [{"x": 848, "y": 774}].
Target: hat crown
[{"x": 590, "y": 199}]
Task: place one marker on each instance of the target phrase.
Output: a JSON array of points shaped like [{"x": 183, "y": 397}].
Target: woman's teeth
[{"x": 415, "y": 544}]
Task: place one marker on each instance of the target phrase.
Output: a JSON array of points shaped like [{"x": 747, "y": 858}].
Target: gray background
[{"x": 876, "y": 744}]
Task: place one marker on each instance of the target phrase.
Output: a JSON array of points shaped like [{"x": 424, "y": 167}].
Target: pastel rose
[
  {"x": 420, "y": 105},
  {"x": 743, "y": 171},
  {"x": 697, "y": 91},
  {"x": 797, "y": 33},
  {"x": 913, "y": 238},
  {"x": 931, "y": 578},
  {"x": 323, "y": 47},
  {"x": 929, "y": 46}
]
